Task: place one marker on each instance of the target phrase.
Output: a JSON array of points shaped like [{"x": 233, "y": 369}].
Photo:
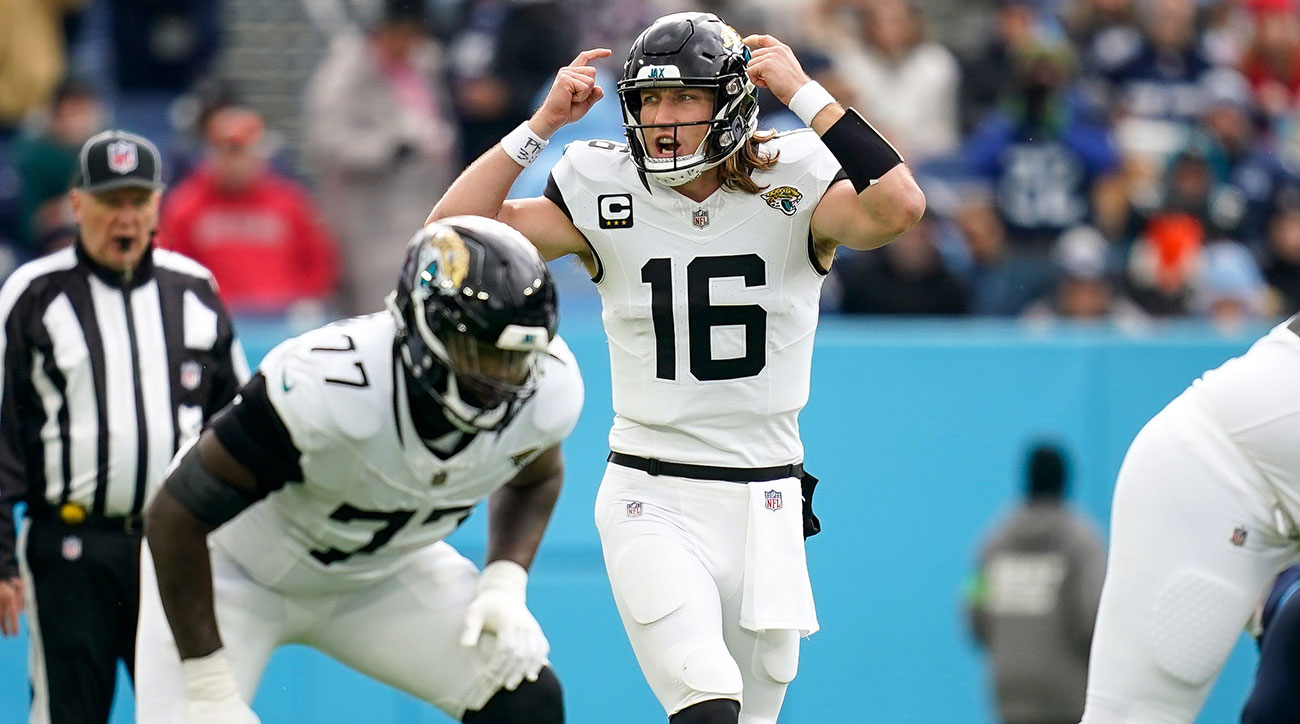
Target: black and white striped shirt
[{"x": 103, "y": 376}]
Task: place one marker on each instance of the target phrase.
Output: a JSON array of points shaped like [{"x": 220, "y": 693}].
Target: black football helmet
[
  {"x": 689, "y": 50},
  {"x": 475, "y": 309}
]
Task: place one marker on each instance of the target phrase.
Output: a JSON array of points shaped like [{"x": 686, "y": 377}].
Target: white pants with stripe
[{"x": 402, "y": 632}]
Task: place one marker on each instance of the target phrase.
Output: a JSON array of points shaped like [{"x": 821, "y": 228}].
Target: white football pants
[
  {"x": 675, "y": 553},
  {"x": 403, "y": 632},
  {"x": 1195, "y": 542}
]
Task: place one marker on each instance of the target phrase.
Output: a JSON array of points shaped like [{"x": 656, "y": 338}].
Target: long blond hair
[{"x": 735, "y": 171}]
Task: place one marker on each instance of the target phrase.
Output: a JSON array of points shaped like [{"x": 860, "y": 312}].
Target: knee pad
[
  {"x": 776, "y": 655},
  {"x": 704, "y": 666},
  {"x": 713, "y": 711},
  {"x": 1195, "y": 622},
  {"x": 532, "y": 702}
]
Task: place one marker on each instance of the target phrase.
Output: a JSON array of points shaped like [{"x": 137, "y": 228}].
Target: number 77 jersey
[{"x": 710, "y": 308}]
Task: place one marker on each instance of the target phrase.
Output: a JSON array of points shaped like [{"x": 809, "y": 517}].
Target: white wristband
[
  {"x": 808, "y": 101},
  {"x": 210, "y": 678},
  {"x": 504, "y": 575},
  {"x": 522, "y": 145}
]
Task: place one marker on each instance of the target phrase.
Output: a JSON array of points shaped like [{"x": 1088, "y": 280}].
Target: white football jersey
[
  {"x": 372, "y": 491},
  {"x": 709, "y": 308}
]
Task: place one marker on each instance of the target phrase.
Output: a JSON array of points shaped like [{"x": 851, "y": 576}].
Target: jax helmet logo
[
  {"x": 784, "y": 199},
  {"x": 445, "y": 262}
]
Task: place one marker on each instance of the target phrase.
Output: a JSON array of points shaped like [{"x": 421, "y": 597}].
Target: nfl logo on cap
[{"x": 122, "y": 157}]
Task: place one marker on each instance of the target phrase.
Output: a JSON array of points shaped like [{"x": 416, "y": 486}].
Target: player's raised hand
[
  {"x": 572, "y": 94},
  {"x": 772, "y": 65}
]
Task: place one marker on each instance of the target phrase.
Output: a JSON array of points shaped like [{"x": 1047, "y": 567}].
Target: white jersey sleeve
[{"x": 709, "y": 307}]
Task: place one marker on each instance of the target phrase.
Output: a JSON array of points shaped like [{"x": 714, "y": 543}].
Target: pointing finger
[
  {"x": 586, "y": 56},
  {"x": 760, "y": 41}
]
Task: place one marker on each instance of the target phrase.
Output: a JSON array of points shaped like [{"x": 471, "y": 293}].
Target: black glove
[{"x": 811, "y": 526}]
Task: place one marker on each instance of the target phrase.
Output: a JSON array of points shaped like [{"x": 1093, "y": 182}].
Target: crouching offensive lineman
[{"x": 334, "y": 478}]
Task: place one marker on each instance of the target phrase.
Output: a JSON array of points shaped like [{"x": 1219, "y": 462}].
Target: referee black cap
[{"x": 117, "y": 159}]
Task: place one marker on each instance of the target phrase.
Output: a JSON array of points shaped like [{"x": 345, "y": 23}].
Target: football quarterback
[{"x": 708, "y": 241}]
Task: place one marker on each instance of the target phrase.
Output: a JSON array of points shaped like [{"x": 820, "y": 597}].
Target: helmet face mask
[
  {"x": 689, "y": 50},
  {"x": 475, "y": 307}
]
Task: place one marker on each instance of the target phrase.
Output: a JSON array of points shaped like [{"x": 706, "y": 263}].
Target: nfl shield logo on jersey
[
  {"x": 700, "y": 218},
  {"x": 773, "y": 499},
  {"x": 122, "y": 157},
  {"x": 634, "y": 509},
  {"x": 191, "y": 374}
]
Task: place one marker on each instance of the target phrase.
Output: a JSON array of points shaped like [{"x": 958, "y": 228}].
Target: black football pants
[{"x": 84, "y": 584}]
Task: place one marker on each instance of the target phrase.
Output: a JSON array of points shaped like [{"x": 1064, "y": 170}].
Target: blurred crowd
[{"x": 1125, "y": 160}]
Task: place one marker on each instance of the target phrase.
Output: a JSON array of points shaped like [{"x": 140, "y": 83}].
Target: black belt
[
  {"x": 132, "y": 524},
  {"x": 706, "y": 472}
]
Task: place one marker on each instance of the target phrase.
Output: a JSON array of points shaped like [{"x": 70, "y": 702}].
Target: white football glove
[
  {"x": 521, "y": 647},
  {"x": 213, "y": 693}
]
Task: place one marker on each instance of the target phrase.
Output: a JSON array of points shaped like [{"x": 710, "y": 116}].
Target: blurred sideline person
[
  {"x": 114, "y": 352},
  {"x": 1034, "y": 601},
  {"x": 708, "y": 243},
  {"x": 1203, "y": 519},
  {"x": 379, "y": 132},
  {"x": 332, "y": 480},
  {"x": 1275, "y": 697}
]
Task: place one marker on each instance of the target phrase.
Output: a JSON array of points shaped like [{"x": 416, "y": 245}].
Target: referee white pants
[
  {"x": 675, "y": 553},
  {"x": 402, "y": 631},
  {"x": 1195, "y": 542}
]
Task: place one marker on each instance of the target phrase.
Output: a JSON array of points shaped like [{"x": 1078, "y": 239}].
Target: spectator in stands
[
  {"x": 1228, "y": 288},
  {"x": 908, "y": 85},
  {"x": 1282, "y": 257},
  {"x": 988, "y": 73},
  {"x": 1105, "y": 32},
  {"x": 379, "y": 132},
  {"x": 32, "y": 56},
  {"x": 1272, "y": 59},
  {"x": 506, "y": 54},
  {"x": 1002, "y": 280},
  {"x": 1192, "y": 211},
  {"x": 1034, "y": 599},
  {"x": 1051, "y": 166},
  {"x": 257, "y": 231},
  {"x": 1085, "y": 289},
  {"x": 1159, "y": 78},
  {"x": 46, "y": 160},
  {"x": 906, "y": 277},
  {"x": 1235, "y": 152},
  {"x": 161, "y": 48}
]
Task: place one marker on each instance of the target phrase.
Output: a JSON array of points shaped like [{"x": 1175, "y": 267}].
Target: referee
[{"x": 112, "y": 352}]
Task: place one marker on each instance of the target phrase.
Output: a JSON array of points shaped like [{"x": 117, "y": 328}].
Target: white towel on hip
[{"x": 777, "y": 593}]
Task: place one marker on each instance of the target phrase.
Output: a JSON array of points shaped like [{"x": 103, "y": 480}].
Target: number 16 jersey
[{"x": 710, "y": 308}]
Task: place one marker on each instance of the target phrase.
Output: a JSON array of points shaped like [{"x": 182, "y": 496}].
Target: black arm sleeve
[{"x": 253, "y": 433}]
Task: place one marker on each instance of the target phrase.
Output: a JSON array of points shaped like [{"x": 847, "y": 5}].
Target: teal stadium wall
[{"x": 917, "y": 430}]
